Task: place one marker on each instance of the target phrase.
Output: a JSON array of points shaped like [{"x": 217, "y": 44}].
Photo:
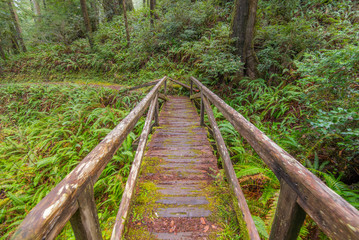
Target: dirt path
[{"x": 174, "y": 197}]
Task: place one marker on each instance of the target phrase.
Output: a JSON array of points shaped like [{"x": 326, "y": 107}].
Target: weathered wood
[
  {"x": 58, "y": 224},
  {"x": 191, "y": 89},
  {"x": 289, "y": 216},
  {"x": 197, "y": 95},
  {"x": 85, "y": 221},
  {"x": 336, "y": 217},
  {"x": 157, "y": 110},
  {"x": 231, "y": 175},
  {"x": 202, "y": 110},
  {"x": 165, "y": 89},
  {"x": 132, "y": 177},
  {"x": 46, "y": 214},
  {"x": 162, "y": 96},
  {"x": 143, "y": 85},
  {"x": 182, "y": 84}
]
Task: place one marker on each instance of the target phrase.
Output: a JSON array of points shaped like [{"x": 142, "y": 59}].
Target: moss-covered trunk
[{"x": 242, "y": 30}]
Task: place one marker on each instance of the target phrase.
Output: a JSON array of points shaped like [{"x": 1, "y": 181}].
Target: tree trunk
[
  {"x": 37, "y": 10},
  {"x": 126, "y": 23},
  {"x": 87, "y": 21},
  {"x": 242, "y": 30},
  {"x": 144, "y": 3},
  {"x": 16, "y": 22},
  {"x": 2, "y": 53},
  {"x": 152, "y": 11}
]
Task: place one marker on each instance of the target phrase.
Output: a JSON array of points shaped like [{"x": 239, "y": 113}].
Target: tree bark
[
  {"x": 126, "y": 23},
  {"x": 242, "y": 30},
  {"x": 2, "y": 53},
  {"x": 152, "y": 11},
  {"x": 37, "y": 11},
  {"x": 16, "y": 22},
  {"x": 87, "y": 21}
]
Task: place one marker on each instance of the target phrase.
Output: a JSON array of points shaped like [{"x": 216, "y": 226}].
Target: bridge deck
[{"x": 176, "y": 178}]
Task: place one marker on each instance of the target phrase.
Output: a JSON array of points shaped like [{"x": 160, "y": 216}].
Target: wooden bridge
[{"x": 179, "y": 162}]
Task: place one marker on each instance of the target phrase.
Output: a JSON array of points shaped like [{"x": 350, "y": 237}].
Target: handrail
[
  {"x": 73, "y": 196},
  {"x": 300, "y": 189},
  {"x": 243, "y": 210}
]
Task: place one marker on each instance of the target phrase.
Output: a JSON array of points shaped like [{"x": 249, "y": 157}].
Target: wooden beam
[
  {"x": 51, "y": 209},
  {"x": 194, "y": 96},
  {"x": 231, "y": 176},
  {"x": 336, "y": 217},
  {"x": 289, "y": 216},
  {"x": 85, "y": 221},
  {"x": 133, "y": 176}
]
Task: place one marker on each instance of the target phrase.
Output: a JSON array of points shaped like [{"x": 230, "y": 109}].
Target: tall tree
[
  {"x": 37, "y": 10},
  {"x": 111, "y": 8},
  {"x": 152, "y": 11},
  {"x": 16, "y": 22},
  {"x": 2, "y": 53},
  {"x": 87, "y": 21},
  {"x": 126, "y": 23},
  {"x": 242, "y": 30}
]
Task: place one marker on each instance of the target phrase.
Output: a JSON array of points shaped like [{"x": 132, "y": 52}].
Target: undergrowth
[{"x": 45, "y": 132}]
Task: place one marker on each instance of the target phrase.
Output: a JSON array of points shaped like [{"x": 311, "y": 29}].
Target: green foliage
[
  {"x": 332, "y": 72},
  {"x": 45, "y": 131}
]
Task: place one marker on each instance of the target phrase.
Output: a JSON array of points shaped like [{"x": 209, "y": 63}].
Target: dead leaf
[
  {"x": 206, "y": 228},
  {"x": 172, "y": 229},
  {"x": 203, "y": 221},
  {"x": 214, "y": 227},
  {"x": 139, "y": 223},
  {"x": 172, "y": 223}
]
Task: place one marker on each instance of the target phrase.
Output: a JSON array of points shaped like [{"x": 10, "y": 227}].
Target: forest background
[{"x": 302, "y": 91}]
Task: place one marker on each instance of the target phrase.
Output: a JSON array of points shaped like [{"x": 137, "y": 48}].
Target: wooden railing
[
  {"x": 73, "y": 198},
  {"x": 301, "y": 191}
]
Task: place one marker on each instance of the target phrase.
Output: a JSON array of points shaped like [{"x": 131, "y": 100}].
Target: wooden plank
[
  {"x": 289, "y": 216},
  {"x": 336, "y": 217},
  {"x": 133, "y": 176},
  {"x": 46, "y": 214},
  {"x": 231, "y": 175},
  {"x": 183, "y": 85},
  {"x": 85, "y": 221},
  {"x": 143, "y": 85}
]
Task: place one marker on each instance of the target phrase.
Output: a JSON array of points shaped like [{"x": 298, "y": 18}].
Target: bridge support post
[
  {"x": 289, "y": 216},
  {"x": 202, "y": 110},
  {"x": 156, "y": 123},
  {"x": 191, "y": 91},
  {"x": 165, "y": 88},
  {"x": 84, "y": 222}
]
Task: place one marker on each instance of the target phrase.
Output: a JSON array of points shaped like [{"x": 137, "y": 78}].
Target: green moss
[
  {"x": 150, "y": 165},
  {"x": 139, "y": 233}
]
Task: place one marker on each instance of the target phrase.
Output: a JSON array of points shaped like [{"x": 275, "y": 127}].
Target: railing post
[
  {"x": 165, "y": 87},
  {"x": 202, "y": 110},
  {"x": 85, "y": 221},
  {"x": 191, "y": 91},
  {"x": 289, "y": 216},
  {"x": 156, "y": 123}
]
